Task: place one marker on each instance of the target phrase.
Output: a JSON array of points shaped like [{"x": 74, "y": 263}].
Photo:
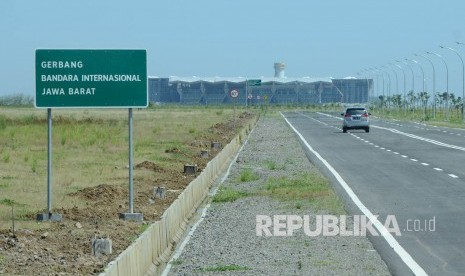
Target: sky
[{"x": 226, "y": 38}]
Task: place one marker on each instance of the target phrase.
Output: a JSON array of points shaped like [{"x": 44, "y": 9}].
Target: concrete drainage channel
[
  {"x": 150, "y": 253},
  {"x": 202, "y": 211}
]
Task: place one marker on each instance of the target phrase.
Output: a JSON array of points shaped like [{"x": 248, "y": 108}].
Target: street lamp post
[
  {"x": 375, "y": 74},
  {"x": 389, "y": 82},
  {"x": 395, "y": 74},
  {"x": 463, "y": 74},
  {"x": 434, "y": 83},
  {"x": 366, "y": 73},
  {"x": 405, "y": 86},
  {"x": 422, "y": 72},
  {"x": 423, "y": 76},
  {"x": 384, "y": 80},
  {"x": 370, "y": 73},
  {"x": 413, "y": 75},
  {"x": 447, "y": 82}
]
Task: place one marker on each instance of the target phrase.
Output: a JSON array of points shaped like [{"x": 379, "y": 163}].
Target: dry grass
[{"x": 90, "y": 147}]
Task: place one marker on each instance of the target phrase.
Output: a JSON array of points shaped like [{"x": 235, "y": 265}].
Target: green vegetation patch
[
  {"x": 8, "y": 202},
  {"x": 272, "y": 165},
  {"x": 228, "y": 195},
  {"x": 309, "y": 188},
  {"x": 176, "y": 262},
  {"x": 306, "y": 186},
  {"x": 248, "y": 175},
  {"x": 232, "y": 267}
]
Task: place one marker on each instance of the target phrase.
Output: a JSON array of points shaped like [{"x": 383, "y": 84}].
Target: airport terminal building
[{"x": 275, "y": 90}]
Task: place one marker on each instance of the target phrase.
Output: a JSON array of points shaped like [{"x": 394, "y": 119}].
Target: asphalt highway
[{"x": 403, "y": 170}]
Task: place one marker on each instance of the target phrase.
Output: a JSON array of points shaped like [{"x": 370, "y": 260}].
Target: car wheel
[
  {"x": 367, "y": 129},
  {"x": 344, "y": 129}
]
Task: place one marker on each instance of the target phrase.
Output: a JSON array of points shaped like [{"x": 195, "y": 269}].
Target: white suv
[{"x": 356, "y": 118}]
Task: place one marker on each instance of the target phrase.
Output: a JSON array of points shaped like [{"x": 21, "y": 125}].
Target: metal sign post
[
  {"x": 250, "y": 83},
  {"x": 49, "y": 162},
  {"x": 49, "y": 216},
  {"x": 234, "y": 94},
  {"x": 246, "y": 93},
  {"x": 131, "y": 195}
]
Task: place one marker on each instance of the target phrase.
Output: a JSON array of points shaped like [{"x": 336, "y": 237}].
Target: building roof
[{"x": 243, "y": 79}]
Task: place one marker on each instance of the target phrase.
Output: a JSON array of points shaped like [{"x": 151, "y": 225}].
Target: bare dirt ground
[{"x": 64, "y": 248}]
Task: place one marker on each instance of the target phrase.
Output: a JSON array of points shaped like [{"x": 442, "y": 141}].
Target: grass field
[
  {"x": 90, "y": 147},
  {"x": 439, "y": 118}
]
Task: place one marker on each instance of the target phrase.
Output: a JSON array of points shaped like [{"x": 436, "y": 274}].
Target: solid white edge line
[
  {"x": 177, "y": 253},
  {"x": 401, "y": 252}
]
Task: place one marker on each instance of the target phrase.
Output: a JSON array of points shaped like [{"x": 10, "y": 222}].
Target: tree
[
  {"x": 411, "y": 99},
  {"x": 381, "y": 98},
  {"x": 16, "y": 100},
  {"x": 424, "y": 97},
  {"x": 457, "y": 103},
  {"x": 397, "y": 100}
]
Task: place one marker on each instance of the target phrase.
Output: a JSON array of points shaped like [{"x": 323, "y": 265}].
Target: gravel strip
[{"x": 227, "y": 236}]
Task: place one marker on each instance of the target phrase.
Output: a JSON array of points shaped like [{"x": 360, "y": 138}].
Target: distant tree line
[
  {"x": 16, "y": 100},
  {"x": 422, "y": 100}
]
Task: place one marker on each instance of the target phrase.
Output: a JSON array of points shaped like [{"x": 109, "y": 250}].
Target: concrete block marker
[
  {"x": 204, "y": 153},
  {"x": 159, "y": 192},
  {"x": 49, "y": 217},
  {"x": 216, "y": 146},
  {"x": 131, "y": 216},
  {"x": 190, "y": 169},
  {"x": 101, "y": 246}
]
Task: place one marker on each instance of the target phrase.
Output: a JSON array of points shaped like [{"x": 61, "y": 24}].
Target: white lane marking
[
  {"x": 404, "y": 156},
  {"x": 395, "y": 152},
  {"x": 438, "y": 169},
  {"x": 403, "y": 254},
  {"x": 421, "y": 138}
]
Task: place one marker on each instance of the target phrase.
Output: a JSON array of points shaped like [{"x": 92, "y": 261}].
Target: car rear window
[{"x": 356, "y": 111}]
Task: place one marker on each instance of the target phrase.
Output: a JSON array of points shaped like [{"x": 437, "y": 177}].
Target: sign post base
[
  {"x": 131, "y": 216},
  {"x": 49, "y": 217}
]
